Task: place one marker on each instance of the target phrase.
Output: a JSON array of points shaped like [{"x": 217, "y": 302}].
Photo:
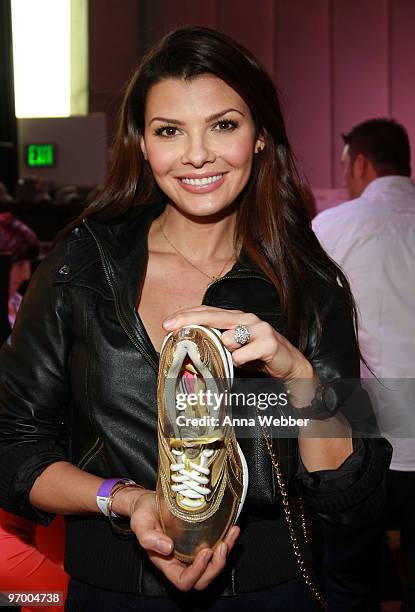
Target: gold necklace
[{"x": 211, "y": 278}]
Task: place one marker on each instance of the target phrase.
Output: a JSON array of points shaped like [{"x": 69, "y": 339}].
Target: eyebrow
[{"x": 208, "y": 119}]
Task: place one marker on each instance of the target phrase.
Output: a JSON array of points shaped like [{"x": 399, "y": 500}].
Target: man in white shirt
[{"x": 372, "y": 237}]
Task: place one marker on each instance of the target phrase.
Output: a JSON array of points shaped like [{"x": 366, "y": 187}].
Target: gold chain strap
[{"x": 287, "y": 512}]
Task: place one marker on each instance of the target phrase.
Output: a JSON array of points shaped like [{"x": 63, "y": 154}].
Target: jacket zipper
[
  {"x": 91, "y": 453},
  {"x": 139, "y": 347}
]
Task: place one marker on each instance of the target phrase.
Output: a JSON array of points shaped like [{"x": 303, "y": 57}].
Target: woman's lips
[{"x": 202, "y": 184}]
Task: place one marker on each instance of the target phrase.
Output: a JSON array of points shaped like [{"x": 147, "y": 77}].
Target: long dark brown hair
[{"x": 273, "y": 225}]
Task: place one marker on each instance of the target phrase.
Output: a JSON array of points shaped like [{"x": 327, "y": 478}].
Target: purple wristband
[{"x": 104, "y": 492}]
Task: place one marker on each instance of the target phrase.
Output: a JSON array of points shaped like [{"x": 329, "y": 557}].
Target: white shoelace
[{"x": 191, "y": 482}]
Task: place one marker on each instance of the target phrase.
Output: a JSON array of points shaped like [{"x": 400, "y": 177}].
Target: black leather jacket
[{"x": 78, "y": 382}]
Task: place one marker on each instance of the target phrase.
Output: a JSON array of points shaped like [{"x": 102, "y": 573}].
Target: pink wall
[{"x": 335, "y": 62}]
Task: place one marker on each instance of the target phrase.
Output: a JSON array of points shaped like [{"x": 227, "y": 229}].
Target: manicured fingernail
[
  {"x": 207, "y": 555},
  {"x": 169, "y": 323},
  {"x": 163, "y": 547},
  {"x": 223, "y": 551}
]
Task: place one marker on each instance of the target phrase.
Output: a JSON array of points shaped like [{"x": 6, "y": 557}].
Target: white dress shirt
[{"x": 373, "y": 239}]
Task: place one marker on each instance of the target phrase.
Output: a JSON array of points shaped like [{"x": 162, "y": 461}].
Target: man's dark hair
[{"x": 384, "y": 142}]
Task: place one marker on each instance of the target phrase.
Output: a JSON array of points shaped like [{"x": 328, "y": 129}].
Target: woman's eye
[
  {"x": 226, "y": 125},
  {"x": 167, "y": 131}
]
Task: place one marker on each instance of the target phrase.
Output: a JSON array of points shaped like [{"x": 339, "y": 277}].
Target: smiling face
[{"x": 199, "y": 140}]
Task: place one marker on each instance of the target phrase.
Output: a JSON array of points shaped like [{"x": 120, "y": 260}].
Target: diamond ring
[{"x": 241, "y": 335}]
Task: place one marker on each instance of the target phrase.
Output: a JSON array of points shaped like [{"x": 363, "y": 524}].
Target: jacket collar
[
  {"x": 394, "y": 183},
  {"x": 123, "y": 248}
]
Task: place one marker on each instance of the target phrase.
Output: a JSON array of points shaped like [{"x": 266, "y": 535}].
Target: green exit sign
[{"x": 40, "y": 155}]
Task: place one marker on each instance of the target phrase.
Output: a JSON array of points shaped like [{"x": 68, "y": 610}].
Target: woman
[
  {"x": 31, "y": 557},
  {"x": 201, "y": 207}
]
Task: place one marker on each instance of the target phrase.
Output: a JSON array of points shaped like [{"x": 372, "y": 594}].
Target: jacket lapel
[{"x": 124, "y": 254}]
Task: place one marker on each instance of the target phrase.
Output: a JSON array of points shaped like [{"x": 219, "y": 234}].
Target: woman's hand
[
  {"x": 266, "y": 349},
  {"x": 145, "y": 523},
  {"x": 276, "y": 356}
]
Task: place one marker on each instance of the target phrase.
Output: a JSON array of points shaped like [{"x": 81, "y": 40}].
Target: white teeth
[{"x": 202, "y": 181}]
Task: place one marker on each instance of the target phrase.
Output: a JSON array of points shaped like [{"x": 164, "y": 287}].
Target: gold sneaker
[{"x": 202, "y": 474}]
